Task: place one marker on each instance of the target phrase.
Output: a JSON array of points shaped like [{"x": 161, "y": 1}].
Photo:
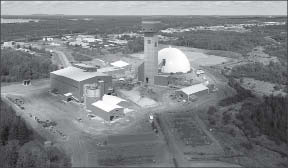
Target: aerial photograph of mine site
[{"x": 143, "y": 84}]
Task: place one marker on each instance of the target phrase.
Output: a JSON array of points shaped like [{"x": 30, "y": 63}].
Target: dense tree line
[
  {"x": 18, "y": 65},
  {"x": 21, "y": 148},
  {"x": 279, "y": 51},
  {"x": 59, "y": 25},
  {"x": 220, "y": 40},
  {"x": 274, "y": 72},
  {"x": 270, "y": 117},
  {"x": 241, "y": 94}
]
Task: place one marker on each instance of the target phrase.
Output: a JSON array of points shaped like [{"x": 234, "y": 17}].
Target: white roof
[
  {"x": 68, "y": 94},
  {"x": 119, "y": 63},
  {"x": 106, "y": 106},
  {"x": 76, "y": 73},
  {"x": 112, "y": 99},
  {"x": 194, "y": 89},
  {"x": 176, "y": 60}
]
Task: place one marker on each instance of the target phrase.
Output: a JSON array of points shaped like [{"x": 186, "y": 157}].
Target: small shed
[
  {"x": 107, "y": 111},
  {"x": 196, "y": 90}
]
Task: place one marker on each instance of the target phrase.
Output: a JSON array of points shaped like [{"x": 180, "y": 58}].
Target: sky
[{"x": 144, "y": 7}]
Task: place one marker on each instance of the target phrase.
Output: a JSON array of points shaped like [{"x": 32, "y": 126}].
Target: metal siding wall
[
  {"x": 119, "y": 113},
  {"x": 99, "y": 112},
  {"x": 106, "y": 115},
  {"x": 201, "y": 93},
  {"x": 64, "y": 85}
]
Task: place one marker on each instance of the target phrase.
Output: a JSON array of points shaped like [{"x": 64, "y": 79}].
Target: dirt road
[{"x": 62, "y": 57}]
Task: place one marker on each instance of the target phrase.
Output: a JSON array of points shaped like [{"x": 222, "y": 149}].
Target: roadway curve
[{"x": 62, "y": 57}]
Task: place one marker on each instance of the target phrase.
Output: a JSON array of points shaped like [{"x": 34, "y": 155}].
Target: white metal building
[
  {"x": 196, "y": 90},
  {"x": 108, "y": 108},
  {"x": 72, "y": 80}
]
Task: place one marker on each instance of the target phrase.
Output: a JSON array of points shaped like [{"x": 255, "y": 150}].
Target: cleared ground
[{"x": 75, "y": 136}]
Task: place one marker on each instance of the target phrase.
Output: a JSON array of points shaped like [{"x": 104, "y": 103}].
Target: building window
[
  {"x": 156, "y": 44},
  {"x": 149, "y": 41}
]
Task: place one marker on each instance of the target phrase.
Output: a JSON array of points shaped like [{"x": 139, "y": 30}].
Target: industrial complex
[
  {"x": 148, "y": 91},
  {"x": 93, "y": 85}
]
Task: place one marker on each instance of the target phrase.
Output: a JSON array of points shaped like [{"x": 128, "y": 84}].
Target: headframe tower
[{"x": 150, "y": 29}]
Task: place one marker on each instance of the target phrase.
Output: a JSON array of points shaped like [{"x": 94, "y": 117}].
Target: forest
[
  {"x": 17, "y": 66},
  {"x": 221, "y": 40},
  {"x": 59, "y": 25},
  {"x": 20, "y": 147},
  {"x": 241, "y": 94},
  {"x": 274, "y": 72},
  {"x": 270, "y": 117}
]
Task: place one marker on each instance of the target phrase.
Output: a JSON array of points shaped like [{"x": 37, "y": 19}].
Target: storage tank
[
  {"x": 91, "y": 94},
  {"x": 92, "y": 91}
]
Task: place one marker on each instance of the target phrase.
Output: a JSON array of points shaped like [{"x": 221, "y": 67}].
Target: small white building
[
  {"x": 194, "y": 90},
  {"x": 108, "y": 108}
]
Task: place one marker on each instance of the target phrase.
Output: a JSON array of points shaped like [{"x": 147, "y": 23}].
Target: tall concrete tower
[{"x": 150, "y": 29}]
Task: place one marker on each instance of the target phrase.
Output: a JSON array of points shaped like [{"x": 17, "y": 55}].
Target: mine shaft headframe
[{"x": 150, "y": 26}]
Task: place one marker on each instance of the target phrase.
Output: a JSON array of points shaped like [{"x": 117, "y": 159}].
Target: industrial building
[
  {"x": 108, "y": 108},
  {"x": 158, "y": 66},
  {"x": 72, "y": 79},
  {"x": 192, "y": 91}
]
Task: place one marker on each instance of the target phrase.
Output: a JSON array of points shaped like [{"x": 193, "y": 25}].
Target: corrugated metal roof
[
  {"x": 119, "y": 63},
  {"x": 106, "y": 106},
  {"x": 194, "y": 89},
  {"x": 112, "y": 99},
  {"x": 77, "y": 73},
  {"x": 108, "y": 103}
]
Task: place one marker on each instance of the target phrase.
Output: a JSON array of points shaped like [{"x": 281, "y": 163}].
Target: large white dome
[{"x": 175, "y": 60}]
